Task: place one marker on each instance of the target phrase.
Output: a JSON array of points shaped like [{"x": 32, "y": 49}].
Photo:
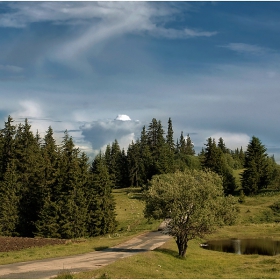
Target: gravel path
[{"x": 45, "y": 269}]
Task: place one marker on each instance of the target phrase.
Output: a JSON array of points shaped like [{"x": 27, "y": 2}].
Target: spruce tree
[
  {"x": 189, "y": 146},
  {"x": 7, "y": 145},
  {"x": 255, "y": 176},
  {"x": 134, "y": 163},
  {"x": 115, "y": 166},
  {"x": 49, "y": 218},
  {"x": 102, "y": 217},
  {"x": 222, "y": 145},
  {"x": 156, "y": 142},
  {"x": 215, "y": 160},
  {"x": 9, "y": 201},
  {"x": 169, "y": 136},
  {"x": 72, "y": 201},
  {"x": 28, "y": 162},
  {"x": 146, "y": 166}
]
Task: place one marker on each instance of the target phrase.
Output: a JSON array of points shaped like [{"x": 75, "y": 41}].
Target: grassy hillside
[{"x": 255, "y": 220}]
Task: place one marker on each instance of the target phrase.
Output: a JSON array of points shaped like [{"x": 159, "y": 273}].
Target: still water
[{"x": 262, "y": 246}]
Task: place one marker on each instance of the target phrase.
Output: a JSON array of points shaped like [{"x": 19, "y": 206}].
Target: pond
[{"x": 261, "y": 246}]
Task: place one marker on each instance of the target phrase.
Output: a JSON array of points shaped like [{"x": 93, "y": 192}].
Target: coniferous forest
[{"x": 51, "y": 189}]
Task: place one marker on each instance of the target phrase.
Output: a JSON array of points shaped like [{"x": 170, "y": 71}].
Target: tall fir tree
[
  {"x": 7, "y": 145},
  {"x": 170, "y": 137},
  {"x": 103, "y": 215},
  {"x": 9, "y": 201},
  {"x": 72, "y": 201},
  {"x": 256, "y": 175},
  {"x": 215, "y": 160},
  {"x": 134, "y": 163},
  {"x": 29, "y": 167}
]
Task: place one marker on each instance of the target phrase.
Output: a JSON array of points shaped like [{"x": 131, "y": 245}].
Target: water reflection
[{"x": 262, "y": 246}]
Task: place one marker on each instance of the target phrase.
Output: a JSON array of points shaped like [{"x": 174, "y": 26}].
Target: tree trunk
[{"x": 182, "y": 244}]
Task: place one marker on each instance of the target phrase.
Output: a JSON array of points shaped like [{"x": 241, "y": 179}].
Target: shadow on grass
[
  {"x": 169, "y": 253},
  {"x": 100, "y": 248}
]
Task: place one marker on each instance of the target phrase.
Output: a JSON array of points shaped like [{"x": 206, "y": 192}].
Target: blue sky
[{"x": 213, "y": 67}]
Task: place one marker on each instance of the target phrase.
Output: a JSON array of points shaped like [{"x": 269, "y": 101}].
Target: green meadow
[{"x": 256, "y": 219}]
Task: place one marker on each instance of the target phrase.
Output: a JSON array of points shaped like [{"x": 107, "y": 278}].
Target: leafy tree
[
  {"x": 194, "y": 203},
  {"x": 256, "y": 174}
]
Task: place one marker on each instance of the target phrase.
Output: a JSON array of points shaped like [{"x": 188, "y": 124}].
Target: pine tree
[
  {"x": 28, "y": 162},
  {"x": 134, "y": 163},
  {"x": 255, "y": 176},
  {"x": 9, "y": 201},
  {"x": 146, "y": 165},
  {"x": 189, "y": 146},
  {"x": 212, "y": 156},
  {"x": 102, "y": 218},
  {"x": 50, "y": 154},
  {"x": 169, "y": 136},
  {"x": 7, "y": 144},
  {"x": 72, "y": 201},
  {"x": 47, "y": 224},
  {"x": 115, "y": 166},
  {"x": 156, "y": 143},
  {"x": 215, "y": 160},
  {"x": 124, "y": 171},
  {"x": 222, "y": 145}
]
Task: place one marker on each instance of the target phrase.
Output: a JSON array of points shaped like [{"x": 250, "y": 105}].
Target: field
[{"x": 256, "y": 219}]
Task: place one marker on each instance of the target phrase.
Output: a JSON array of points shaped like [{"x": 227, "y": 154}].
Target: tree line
[
  {"x": 51, "y": 190},
  {"x": 156, "y": 152}
]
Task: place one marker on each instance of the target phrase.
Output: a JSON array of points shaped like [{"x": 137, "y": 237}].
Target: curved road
[{"x": 49, "y": 268}]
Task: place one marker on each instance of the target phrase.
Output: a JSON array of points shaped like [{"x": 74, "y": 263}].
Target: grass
[
  {"x": 256, "y": 220},
  {"x": 131, "y": 223},
  {"x": 199, "y": 263}
]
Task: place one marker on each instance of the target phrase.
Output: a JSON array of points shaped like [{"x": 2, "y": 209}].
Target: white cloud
[
  {"x": 102, "y": 132},
  {"x": 98, "y": 22},
  {"x": 247, "y": 48},
  {"x": 28, "y": 109},
  {"x": 123, "y": 118}
]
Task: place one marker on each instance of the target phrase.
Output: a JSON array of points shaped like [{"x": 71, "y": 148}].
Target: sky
[{"x": 103, "y": 70}]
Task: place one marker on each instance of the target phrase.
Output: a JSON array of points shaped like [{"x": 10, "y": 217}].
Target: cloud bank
[{"x": 103, "y": 132}]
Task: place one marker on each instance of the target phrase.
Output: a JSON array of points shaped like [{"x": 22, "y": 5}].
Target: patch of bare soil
[{"x": 18, "y": 243}]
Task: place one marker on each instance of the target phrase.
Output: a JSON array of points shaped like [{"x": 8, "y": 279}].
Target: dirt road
[{"x": 49, "y": 268}]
